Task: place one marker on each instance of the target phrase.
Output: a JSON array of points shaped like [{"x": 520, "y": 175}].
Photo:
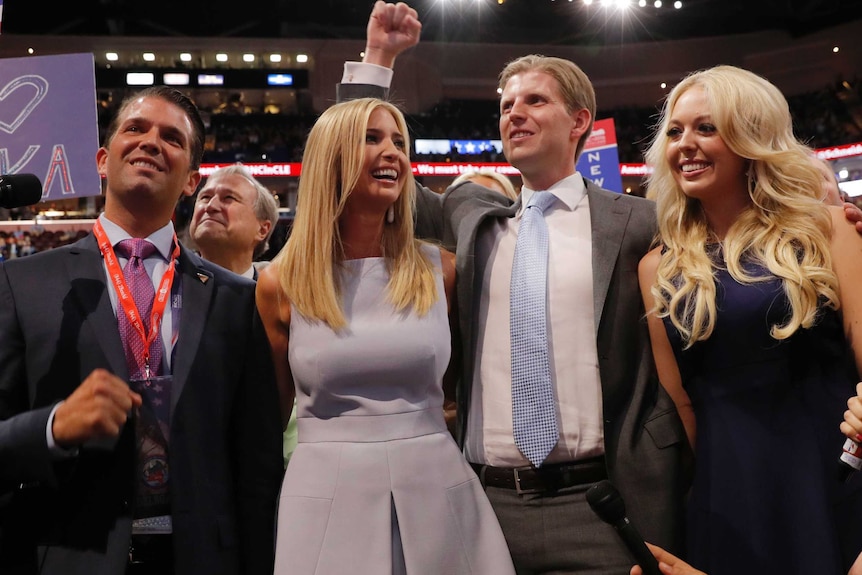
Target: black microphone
[
  {"x": 608, "y": 504},
  {"x": 18, "y": 190}
]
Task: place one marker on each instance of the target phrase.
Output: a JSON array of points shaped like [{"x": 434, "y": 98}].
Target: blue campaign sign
[
  {"x": 600, "y": 160},
  {"x": 48, "y": 123}
]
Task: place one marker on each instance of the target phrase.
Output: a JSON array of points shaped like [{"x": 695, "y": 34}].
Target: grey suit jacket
[
  {"x": 645, "y": 443},
  {"x": 74, "y": 516}
]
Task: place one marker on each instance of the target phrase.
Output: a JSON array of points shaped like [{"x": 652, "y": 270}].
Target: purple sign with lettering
[{"x": 48, "y": 123}]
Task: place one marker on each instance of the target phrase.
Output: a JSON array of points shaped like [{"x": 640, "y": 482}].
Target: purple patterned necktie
[{"x": 141, "y": 289}]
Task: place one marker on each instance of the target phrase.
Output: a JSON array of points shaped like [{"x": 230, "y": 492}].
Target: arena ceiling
[{"x": 484, "y": 21}]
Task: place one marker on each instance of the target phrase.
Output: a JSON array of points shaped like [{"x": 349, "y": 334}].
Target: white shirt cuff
[
  {"x": 364, "y": 73},
  {"x": 55, "y": 450}
]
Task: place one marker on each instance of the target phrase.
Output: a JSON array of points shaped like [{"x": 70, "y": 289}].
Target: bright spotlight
[
  {"x": 112, "y": 56},
  {"x": 248, "y": 57},
  {"x": 149, "y": 57},
  {"x": 657, "y": 3},
  {"x": 275, "y": 58},
  {"x": 221, "y": 57},
  {"x": 302, "y": 58},
  {"x": 642, "y": 3},
  {"x": 185, "y": 57},
  {"x": 835, "y": 49},
  {"x": 663, "y": 85},
  {"x": 588, "y": 2},
  {"x": 677, "y": 4}
]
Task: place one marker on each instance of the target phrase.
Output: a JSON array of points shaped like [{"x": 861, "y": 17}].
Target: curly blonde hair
[
  {"x": 785, "y": 227},
  {"x": 332, "y": 164}
]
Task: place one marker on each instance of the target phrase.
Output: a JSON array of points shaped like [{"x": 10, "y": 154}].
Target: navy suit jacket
[{"x": 74, "y": 516}]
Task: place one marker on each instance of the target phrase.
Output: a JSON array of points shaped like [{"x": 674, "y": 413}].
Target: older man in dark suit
[
  {"x": 611, "y": 417},
  {"x": 133, "y": 440}
]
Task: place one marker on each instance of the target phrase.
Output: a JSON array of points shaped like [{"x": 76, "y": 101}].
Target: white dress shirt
[{"x": 571, "y": 334}]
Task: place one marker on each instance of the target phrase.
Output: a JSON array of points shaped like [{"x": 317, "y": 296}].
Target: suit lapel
[
  {"x": 467, "y": 264},
  {"x": 90, "y": 288},
  {"x": 197, "y": 291},
  {"x": 609, "y": 218}
]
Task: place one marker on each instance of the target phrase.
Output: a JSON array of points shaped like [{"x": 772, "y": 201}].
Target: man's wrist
[
  {"x": 379, "y": 57},
  {"x": 57, "y": 451}
]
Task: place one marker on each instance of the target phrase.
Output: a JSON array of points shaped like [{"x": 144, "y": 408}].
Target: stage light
[
  {"x": 835, "y": 49},
  {"x": 275, "y": 58},
  {"x": 843, "y": 173},
  {"x": 657, "y": 3},
  {"x": 112, "y": 56},
  {"x": 149, "y": 57},
  {"x": 301, "y": 58},
  {"x": 140, "y": 78},
  {"x": 176, "y": 79},
  {"x": 185, "y": 57},
  {"x": 588, "y": 2},
  {"x": 248, "y": 58},
  {"x": 663, "y": 85},
  {"x": 221, "y": 57},
  {"x": 677, "y": 4},
  {"x": 642, "y": 3}
]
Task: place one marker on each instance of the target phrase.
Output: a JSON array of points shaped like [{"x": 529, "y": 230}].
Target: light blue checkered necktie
[{"x": 533, "y": 411}]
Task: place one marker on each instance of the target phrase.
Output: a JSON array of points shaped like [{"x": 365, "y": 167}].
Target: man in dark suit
[
  {"x": 614, "y": 420},
  {"x": 73, "y": 466}
]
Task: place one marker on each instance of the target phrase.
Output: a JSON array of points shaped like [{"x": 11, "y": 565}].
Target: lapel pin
[{"x": 203, "y": 277}]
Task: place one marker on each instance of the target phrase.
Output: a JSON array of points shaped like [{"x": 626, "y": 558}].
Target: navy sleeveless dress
[{"x": 766, "y": 497}]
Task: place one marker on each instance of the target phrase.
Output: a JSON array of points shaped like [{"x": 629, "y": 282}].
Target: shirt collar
[
  {"x": 570, "y": 190},
  {"x": 249, "y": 273},
  {"x": 162, "y": 238}
]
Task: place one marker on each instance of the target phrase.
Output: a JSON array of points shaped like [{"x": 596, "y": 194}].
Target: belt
[
  {"x": 151, "y": 554},
  {"x": 549, "y": 477}
]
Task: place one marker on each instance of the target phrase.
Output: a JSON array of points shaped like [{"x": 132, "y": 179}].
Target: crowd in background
[{"x": 830, "y": 116}]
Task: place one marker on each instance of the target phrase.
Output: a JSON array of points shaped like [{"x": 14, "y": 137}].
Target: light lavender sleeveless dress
[{"x": 376, "y": 485}]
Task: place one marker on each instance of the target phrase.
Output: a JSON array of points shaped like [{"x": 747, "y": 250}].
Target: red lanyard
[{"x": 124, "y": 296}]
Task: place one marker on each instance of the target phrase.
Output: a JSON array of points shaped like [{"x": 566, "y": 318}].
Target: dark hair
[{"x": 177, "y": 98}]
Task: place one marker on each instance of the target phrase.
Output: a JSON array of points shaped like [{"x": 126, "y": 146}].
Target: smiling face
[
  {"x": 700, "y": 161},
  {"x": 224, "y": 217},
  {"x": 385, "y": 163},
  {"x": 147, "y": 163},
  {"x": 539, "y": 134}
]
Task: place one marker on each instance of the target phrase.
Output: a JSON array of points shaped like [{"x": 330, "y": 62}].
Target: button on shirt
[{"x": 571, "y": 334}]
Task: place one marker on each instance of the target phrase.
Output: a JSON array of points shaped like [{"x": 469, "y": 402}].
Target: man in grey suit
[
  {"x": 181, "y": 474},
  {"x": 614, "y": 419}
]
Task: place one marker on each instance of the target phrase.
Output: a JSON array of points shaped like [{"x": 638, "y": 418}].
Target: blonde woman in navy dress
[
  {"x": 358, "y": 315},
  {"x": 755, "y": 308}
]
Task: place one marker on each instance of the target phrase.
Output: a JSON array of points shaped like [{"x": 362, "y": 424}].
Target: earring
[{"x": 390, "y": 214}]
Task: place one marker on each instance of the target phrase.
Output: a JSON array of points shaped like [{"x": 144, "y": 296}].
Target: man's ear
[
  {"x": 581, "y": 123},
  {"x": 263, "y": 230},
  {"x": 192, "y": 183}
]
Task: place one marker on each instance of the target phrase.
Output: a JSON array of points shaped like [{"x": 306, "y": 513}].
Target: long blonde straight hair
[
  {"x": 785, "y": 227},
  {"x": 332, "y": 164}
]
